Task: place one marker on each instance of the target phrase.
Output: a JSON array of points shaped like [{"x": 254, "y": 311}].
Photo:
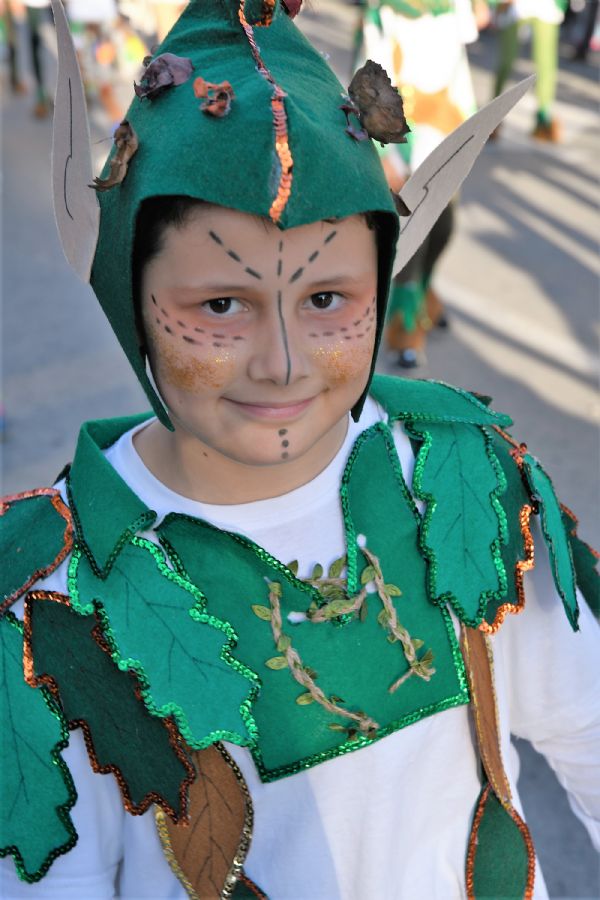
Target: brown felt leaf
[
  {"x": 378, "y": 104},
  {"x": 207, "y": 852},
  {"x": 217, "y": 97},
  {"x": 162, "y": 73},
  {"x": 127, "y": 144}
]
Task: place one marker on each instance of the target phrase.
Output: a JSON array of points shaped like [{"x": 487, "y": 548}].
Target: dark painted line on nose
[{"x": 285, "y": 338}]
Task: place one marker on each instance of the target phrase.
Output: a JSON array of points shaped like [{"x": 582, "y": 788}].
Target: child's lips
[{"x": 270, "y": 410}]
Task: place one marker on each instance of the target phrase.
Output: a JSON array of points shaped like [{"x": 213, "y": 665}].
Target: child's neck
[{"x": 185, "y": 465}]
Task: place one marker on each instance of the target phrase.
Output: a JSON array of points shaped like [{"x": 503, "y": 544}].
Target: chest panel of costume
[{"x": 216, "y": 606}]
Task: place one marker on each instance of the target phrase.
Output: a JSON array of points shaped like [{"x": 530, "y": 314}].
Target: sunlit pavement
[{"x": 520, "y": 281}]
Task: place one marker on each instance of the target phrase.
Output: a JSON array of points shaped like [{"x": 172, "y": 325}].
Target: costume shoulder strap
[{"x": 36, "y": 534}]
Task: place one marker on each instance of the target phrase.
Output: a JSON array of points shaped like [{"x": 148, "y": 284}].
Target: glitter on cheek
[
  {"x": 341, "y": 363},
  {"x": 190, "y": 370}
]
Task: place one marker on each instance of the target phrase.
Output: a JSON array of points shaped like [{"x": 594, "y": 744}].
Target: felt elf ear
[
  {"x": 75, "y": 204},
  {"x": 437, "y": 179}
]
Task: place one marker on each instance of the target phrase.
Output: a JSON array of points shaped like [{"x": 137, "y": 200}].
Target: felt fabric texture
[
  {"x": 585, "y": 560},
  {"x": 502, "y": 866},
  {"x": 35, "y": 826},
  {"x": 554, "y": 534},
  {"x": 461, "y": 481},
  {"x": 354, "y": 660},
  {"x": 432, "y": 401},
  {"x": 514, "y": 550},
  {"x": 232, "y": 160},
  {"x": 155, "y": 624},
  {"x": 34, "y": 538},
  {"x": 120, "y": 733}
]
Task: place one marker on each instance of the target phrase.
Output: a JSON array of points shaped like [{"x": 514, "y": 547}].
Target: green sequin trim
[
  {"x": 142, "y": 523},
  {"x": 353, "y": 575},
  {"x": 63, "y": 810},
  {"x": 411, "y": 415},
  {"x": 198, "y": 614},
  {"x": 426, "y": 439},
  {"x": 348, "y": 746}
]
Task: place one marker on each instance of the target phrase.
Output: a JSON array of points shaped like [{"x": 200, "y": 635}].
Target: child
[{"x": 265, "y": 610}]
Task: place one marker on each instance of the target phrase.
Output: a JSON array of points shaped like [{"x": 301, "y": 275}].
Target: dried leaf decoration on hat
[
  {"x": 292, "y": 7},
  {"x": 126, "y": 143},
  {"x": 162, "y": 73},
  {"x": 378, "y": 106},
  {"x": 218, "y": 97}
]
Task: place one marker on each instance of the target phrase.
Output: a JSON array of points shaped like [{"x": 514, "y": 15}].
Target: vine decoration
[{"x": 336, "y": 603}]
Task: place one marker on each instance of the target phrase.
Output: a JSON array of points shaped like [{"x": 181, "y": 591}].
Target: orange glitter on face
[
  {"x": 341, "y": 364},
  {"x": 188, "y": 372}
]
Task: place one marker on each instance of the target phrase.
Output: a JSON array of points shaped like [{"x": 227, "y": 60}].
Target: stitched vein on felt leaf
[{"x": 175, "y": 651}]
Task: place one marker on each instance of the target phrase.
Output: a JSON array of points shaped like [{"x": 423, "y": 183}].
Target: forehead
[{"x": 228, "y": 236}]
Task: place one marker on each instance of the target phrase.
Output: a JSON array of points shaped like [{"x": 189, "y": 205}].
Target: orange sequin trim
[
  {"x": 473, "y": 847},
  {"x": 573, "y": 531},
  {"x": 521, "y": 566},
  {"x": 268, "y": 8},
  {"x": 136, "y": 809},
  {"x": 282, "y": 146},
  {"x": 63, "y": 510}
]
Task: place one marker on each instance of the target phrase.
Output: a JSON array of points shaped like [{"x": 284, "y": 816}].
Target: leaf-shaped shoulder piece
[
  {"x": 36, "y": 787},
  {"x": 36, "y": 534},
  {"x": 156, "y": 625},
  {"x": 207, "y": 854},
  {"x": 585, "y": 560},
  {"x": 65, "y": 651},
  {"x": 459, "y": 477},
  {"x": 555, "y": 536},
  {"x": 432, "y": 401},
  {"x": 518, "y": 551}
]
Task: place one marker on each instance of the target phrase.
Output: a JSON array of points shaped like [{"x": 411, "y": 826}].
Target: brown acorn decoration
[
  {"x": 377, "y": 105},
  {"x": 126, "y": 142}
]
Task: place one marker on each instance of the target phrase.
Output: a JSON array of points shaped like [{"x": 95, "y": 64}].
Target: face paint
[{"x": 262, "y": 371}]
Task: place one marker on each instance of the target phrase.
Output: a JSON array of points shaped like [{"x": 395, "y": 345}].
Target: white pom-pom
[
  {"x": 361, "y": 540},
  {"x": 295, "y": 618}
]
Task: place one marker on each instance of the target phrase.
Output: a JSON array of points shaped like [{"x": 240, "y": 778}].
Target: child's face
[{"x": 260, "y": 340}]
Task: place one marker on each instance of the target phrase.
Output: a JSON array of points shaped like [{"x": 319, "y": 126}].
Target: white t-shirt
[{"x": 390, "y": 821}]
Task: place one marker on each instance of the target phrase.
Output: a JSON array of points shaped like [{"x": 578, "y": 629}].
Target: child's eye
[
  {"x": 325, "y": 300},
  {"x": 223, "y": 306}
]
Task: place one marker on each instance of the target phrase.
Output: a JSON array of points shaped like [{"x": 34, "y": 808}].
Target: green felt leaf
[
  {"x": 156, "y": 625},
  {"x": 93, "y": 690},
  {"x": 585, "y": 560},
  {"x": 515, "y": 550},
  {"x": 555, "y": 536},
  {"x": 460, "y": 479},
  {"x": 35, "y": 785},
  {"x": 34, "y": 539},
  {"x": 502, "y": 864}
]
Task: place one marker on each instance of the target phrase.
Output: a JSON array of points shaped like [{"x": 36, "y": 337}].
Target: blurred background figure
[
  {"x": 543, "y": 17},
  {"x": 92, "y": 23},
  {"x": 167, "y": 12},
  {"x": 37, "y": 15},
  {"x": 421, "y": 44}
]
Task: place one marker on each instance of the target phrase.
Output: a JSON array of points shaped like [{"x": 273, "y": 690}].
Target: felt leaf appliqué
[
  {"x": 554, "y": 535},
  {"x": 36, "y": 534},
  {"x": 460, "y": 479},
  {"x": 96, "y": 695},
  {"x": 35, "y": 785},
  {"x": 156, "y": 624}
]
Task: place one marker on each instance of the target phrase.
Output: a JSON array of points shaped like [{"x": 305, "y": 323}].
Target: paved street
[{"x": 520, "y": 281}]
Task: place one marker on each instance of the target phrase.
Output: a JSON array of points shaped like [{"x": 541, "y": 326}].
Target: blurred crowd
[{"x": 112, "y": 38}]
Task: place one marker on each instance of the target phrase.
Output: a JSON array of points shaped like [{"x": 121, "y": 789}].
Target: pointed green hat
[{"x": 282, "y": 151}]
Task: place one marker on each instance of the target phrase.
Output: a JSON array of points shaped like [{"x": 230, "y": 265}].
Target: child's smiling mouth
[{"x": 270, "y": 410}]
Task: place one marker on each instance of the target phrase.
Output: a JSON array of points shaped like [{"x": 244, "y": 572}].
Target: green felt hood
[{"x": 233, "y": 161}]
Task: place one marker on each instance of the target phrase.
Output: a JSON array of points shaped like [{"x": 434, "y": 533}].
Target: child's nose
[{"x": 279, "y": 356}]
